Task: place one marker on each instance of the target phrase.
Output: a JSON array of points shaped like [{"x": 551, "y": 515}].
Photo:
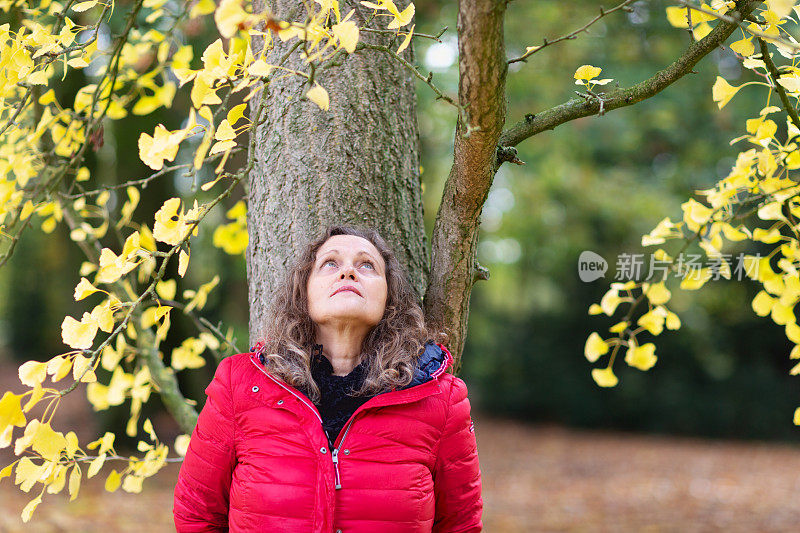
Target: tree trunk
[{"x": 356, "y": 163}]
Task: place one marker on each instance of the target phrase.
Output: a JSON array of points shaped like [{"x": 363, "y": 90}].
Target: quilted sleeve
[
  {"x": 201, "y": 494},
  {"x": 457, "y": 476}
]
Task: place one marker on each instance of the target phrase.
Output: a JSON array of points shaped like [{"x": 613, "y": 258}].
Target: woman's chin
[{"x": 350, "y": 314}]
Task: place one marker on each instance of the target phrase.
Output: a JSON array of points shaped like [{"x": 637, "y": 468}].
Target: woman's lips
[{"x": 347, "y": 288}]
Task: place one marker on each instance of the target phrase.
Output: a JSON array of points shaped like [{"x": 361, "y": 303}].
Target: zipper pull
[{"x": 335, "y": 456}]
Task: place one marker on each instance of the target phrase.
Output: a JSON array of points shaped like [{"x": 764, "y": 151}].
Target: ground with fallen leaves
[{"x": 535, "y": 478}]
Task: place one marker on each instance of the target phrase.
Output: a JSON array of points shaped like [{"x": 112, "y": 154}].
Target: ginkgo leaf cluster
[{"x": 763, "y": 180}]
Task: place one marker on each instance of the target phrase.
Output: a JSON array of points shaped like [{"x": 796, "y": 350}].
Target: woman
[{"x": 344, "y": 420}]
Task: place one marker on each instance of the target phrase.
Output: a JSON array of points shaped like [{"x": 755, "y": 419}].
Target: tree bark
[
  {"x": 482, "y": 76},
  {"x": 356, "y": 163}
]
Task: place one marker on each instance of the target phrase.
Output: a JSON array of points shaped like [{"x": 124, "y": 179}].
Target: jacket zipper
[
  {"x": 335, "y": 451},
  {"x": 335, "y": 454}
]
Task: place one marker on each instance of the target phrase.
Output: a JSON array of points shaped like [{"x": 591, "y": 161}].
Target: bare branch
[
  {"x": 392, "y": 32},
  {"x": 571, "y": 35},
  {"x": 573, "y": 109}
]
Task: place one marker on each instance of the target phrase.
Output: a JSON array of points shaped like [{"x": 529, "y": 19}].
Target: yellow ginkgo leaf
[
  {"x": 259, "y": 68},
  {"x": 32, "y": 373},
  {"x": 47, "y": 442},
  {"x": 695, "y": 213},
  {"x": 36, "y": 395},
  {"x": 82, "y": 366},
  {"x": 790, "y": 83},
  {"x": 95, "y": 465},
  {"x": 402, "y": 18},
  {"x": 228, "y": 16},
  {"x": 319, "y": 96},
  {"x": 187, "y": 355},
  {"x": 103, "y": 315},
  {"x": 169, "y": 226},
  {"x": 224, "y": 131},
  {"x": 673, "y": 321},
  {"x": 782, "y": 314},
  {"x": 407, "y": 40},
  {"x": 236, "y": 113},
  {"x": 79, "y": 334},
  {"x": 722, "y": 91},
  {"x": 770, "y": 236},
  {"x": 781, "y": 8},
  {"x": 132, "y": 483},
  {"x": 762, "y": 303},
  {"x": 166, "y": 289},
  {"x": 677, "y": 17},
  {"x": 702, "y": 30},
  {"x": 202, "y": 92},
  {"x": 610, "y": 301},
  {"x": 6, "y": 471},
  {"x": 58, "y": 367},
  {"x": 182, "y": 444},
  {"x": 695, "y": 279},
  {"x": 183, "y": 262},
  {"x": 642, "y": 357},
  {"x": 238, "y": 211},
  {"x": 587, "y": 72},
  {"x": 112, "y": 267},
  {"x": 113, "y": 481},
  {"x": 744, "y": 47},
  {"x": 604, "y": 377},
  {"x": 595, "y": 347},
  {"x": 163, "y": 145},
  {"x": 734, "y": 234},
  {"x": 148, "y": 427},
  {"x": 11, "y": 411},
  {"x": 74, "y": 482},
  {"x": 221, "y": 146},
  {"x": 84, "y": 6},
  {"x": 347, "y": 33},
  {"x": 619, "y": 327},
  {"x": 658, "y": 293},
  {"x": 652, "y": 321},
  {"x": 28, "y": 472},
  {"x": 27, "y": 512},
  {"x": 771, "y": 211}
]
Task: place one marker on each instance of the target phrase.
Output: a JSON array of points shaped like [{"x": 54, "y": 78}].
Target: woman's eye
[
  {"x": 370, "y": 264},
  {"x": 331, "y": 261}
]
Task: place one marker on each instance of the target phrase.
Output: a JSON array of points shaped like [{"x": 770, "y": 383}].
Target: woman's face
[{"x": 342, "y": 262}]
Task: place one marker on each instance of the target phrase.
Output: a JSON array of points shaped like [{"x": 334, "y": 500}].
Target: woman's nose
[{"x": 349, "y": 272}]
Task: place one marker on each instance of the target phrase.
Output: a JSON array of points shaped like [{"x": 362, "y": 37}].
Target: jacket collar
[{"x": 432, "y": 363}]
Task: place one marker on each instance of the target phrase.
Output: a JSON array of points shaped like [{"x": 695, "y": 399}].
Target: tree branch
[
  {"x": 773, "y": 70},
  {"x": 549, "y": 119},
  {"x": 603, "y": 12},
  {"x": 739, "y": 22},
  {"x": 482, "y": 75}
]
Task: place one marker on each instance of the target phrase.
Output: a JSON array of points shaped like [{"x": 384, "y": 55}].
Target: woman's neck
[{"x": 343, "y": 351}]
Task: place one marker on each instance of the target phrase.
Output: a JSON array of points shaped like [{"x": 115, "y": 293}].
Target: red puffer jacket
[{"x": 258, "y": 459}]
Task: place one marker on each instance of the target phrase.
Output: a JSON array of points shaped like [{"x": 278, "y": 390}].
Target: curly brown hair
[{"x": 393, "y": 346}]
